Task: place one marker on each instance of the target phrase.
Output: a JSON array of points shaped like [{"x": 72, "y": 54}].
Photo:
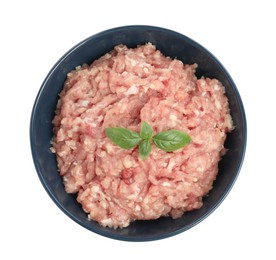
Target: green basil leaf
[
  {"x": 144, "y": 149},
  {"x": 123, "y": 137},
  {"x": 146, "y": 130},
  {"x": 171, "y": 140}
]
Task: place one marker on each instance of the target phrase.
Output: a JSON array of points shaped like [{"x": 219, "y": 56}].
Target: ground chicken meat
[{"x": 122, "y": 89}]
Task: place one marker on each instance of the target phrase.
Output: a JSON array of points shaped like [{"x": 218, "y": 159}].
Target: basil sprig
[{"x": 168, "y": 141}]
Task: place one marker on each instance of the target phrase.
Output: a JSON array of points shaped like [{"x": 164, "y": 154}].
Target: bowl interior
[{"x": 171, "y": 44}]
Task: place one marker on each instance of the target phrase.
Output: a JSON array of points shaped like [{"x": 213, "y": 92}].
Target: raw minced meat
[{"x": 122, "y": 89}]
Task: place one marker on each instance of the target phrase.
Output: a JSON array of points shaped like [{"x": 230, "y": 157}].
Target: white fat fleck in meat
[
  {"x": 218, "y": 104},
  {"x": 146, "y": 70},
  {"x": 129, "y": 161},
  {"x": 173, "y": 118},
  {"x": 132, "y": 90},
  {"x": 171, "y": 165},
  {"x": 107, "y": 222},
  {"x": 122, "y": 89},
  {"x": 83, "y": 103}
]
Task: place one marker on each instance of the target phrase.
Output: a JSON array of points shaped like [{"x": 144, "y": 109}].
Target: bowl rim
[{"x": 102, "y": 34}]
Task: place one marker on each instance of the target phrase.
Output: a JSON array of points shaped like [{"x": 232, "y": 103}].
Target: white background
[{"x": 35, "y": 34}]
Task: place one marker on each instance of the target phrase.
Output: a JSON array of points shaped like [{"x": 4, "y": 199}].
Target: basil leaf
[
  {"x": 146, "y": 130},
  {"x": 168, "y": 141},
  {"x": 144, "y": 149},
  {"x": 123, "y": 137},
  {"x": 171, "y": 140}
]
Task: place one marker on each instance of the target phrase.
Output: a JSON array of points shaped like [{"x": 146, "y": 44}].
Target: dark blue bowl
[{"x": 171, "y": 44}]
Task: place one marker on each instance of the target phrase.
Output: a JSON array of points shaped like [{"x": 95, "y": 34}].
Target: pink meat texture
[{"x": 121, "y": 89}]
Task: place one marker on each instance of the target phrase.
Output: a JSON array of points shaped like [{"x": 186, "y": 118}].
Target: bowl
[{"x": 172, "y": 44}]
